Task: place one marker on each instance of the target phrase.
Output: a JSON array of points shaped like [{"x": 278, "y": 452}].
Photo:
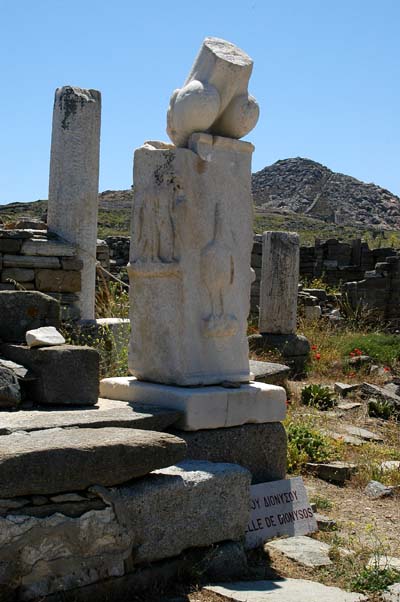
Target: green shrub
[
  {"x": 318, "y": 396},
  {"x": 379, "y": 408},
  {"x": 374, "y": 579},
  {"x": 306, "y": 444},
  {"x": 321, "y": 502}
]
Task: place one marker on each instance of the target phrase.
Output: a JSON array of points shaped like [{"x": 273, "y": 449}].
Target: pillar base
[{"x": 209, "y": 407}]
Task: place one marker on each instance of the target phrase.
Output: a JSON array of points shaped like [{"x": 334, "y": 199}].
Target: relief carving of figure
[
  {"x": 217, "y": 273},
  {"x": 155, "y": 227}
]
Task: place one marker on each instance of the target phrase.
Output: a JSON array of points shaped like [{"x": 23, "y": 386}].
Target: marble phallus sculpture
[
  {"x": 214, "y": 98},
  {"x": 189, "y": 269}
]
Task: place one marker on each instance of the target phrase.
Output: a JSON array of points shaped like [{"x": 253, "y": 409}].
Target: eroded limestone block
[
  {"x": 261, "y": 448},
  {"x": 46, "y": 336},
  {"x": 192, "y": 505},
  {"x": 57, "y": 460},
  {"x": 47, "y": 248},
  {"x": 104, "y": 413},
  {"x": 190, "y": 262},
  {"x": 18, "y": 274},
  {"x": 25, "y": 310},
  {"x": 40, "y": 556},
  {"x": 67, "y": 374},
  {"x": 206, "y": 503},
  {"x": 58, "y": 281},
  {"x": 10, "y": 391},
  {"x": 214, "y": 97}
]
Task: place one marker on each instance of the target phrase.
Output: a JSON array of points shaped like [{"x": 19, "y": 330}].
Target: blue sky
[{"x": 326, "y": 75}]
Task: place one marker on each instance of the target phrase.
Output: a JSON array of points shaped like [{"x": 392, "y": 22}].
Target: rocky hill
[
  {"x": 292, "y": 194},
  {"x": 307, "y": 187}
]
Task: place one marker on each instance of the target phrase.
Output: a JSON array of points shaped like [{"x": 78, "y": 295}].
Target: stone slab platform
[
  {"x": 283, "y": 590},
  {"x": 106, "y": 413},
  {"x": 191, "y": 505},
  {"x": 57, "y": 460},
  {"x": 209, "y": 407}
]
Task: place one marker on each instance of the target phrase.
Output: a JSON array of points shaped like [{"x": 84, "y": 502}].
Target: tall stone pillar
[
  {"x": 278, "y": 301},
  {"x": 279, "y": 283},
  {"x": 74, "y": 180},
  {"x": 189, "y": 267}
]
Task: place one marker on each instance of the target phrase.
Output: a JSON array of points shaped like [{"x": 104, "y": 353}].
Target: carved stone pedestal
[
  {"x": 189, "y": 264},
  {"x": 204, "y": 407}
]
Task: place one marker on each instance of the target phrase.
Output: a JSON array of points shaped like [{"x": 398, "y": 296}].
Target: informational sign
[{"x": 279, "y": 508}]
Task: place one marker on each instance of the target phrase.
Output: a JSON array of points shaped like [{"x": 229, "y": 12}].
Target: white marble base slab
[{"x": 209, "y": 407}]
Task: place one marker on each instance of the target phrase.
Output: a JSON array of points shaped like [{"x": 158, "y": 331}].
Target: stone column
[
  {"x": 279, "y": 283},
  {"x": 278, "y": 301},
  {"x": 74, "y": 178}
]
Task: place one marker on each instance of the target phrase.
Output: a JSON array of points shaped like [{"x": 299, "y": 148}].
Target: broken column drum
[
  {"x": 192, "y": 233},
  {"x": 74, "y": 177}
]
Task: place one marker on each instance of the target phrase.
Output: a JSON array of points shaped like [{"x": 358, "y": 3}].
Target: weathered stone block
[
  {"x": 21, "y": 311},
  {"x": 59, "y": 460},
  {"x": 269, "y": 372},
  {"x": 171, "y": 510},
  {"x": 206, "y": 503},
  {"x": 105, "y": 413},
  {"x": 46, "y": 336},
  {"x": 261, "y": 448},
  {"x": 337, "y": 472},
  {"x": 58, "y": 281},
  {"x": 52, "y": 248},
  {"x": 25, "y": 261},
  {"x": 294, "y": 348},
  {"x": 10, "y": 392},
  {"x": 9, "y": 245},
  {"x": 71, "y": 263},
  {"x": 67, "y": 374},
  {"x": 18, "y": 274}
]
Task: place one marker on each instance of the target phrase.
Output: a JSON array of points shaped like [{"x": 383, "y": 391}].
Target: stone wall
[
  {"x": 118, "y": 255},
  {"x": 337, "y": 261},
  {"x": 379, "y": 291},
  {"x": 32, "y": 259},
  {"x": 334, "y": 261}
]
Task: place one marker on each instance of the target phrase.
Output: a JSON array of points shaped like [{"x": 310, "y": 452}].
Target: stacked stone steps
[{"x": 74, "y": 511}]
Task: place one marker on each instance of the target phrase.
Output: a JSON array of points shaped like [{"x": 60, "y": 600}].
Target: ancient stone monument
[
  {"x": 279, "y": 283},
  {"x": 214, "y": 98},
  {"x": 74, "y": 177},
  {"x": 278, "y": 299},
  {"x": 190, "y": 254}
]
